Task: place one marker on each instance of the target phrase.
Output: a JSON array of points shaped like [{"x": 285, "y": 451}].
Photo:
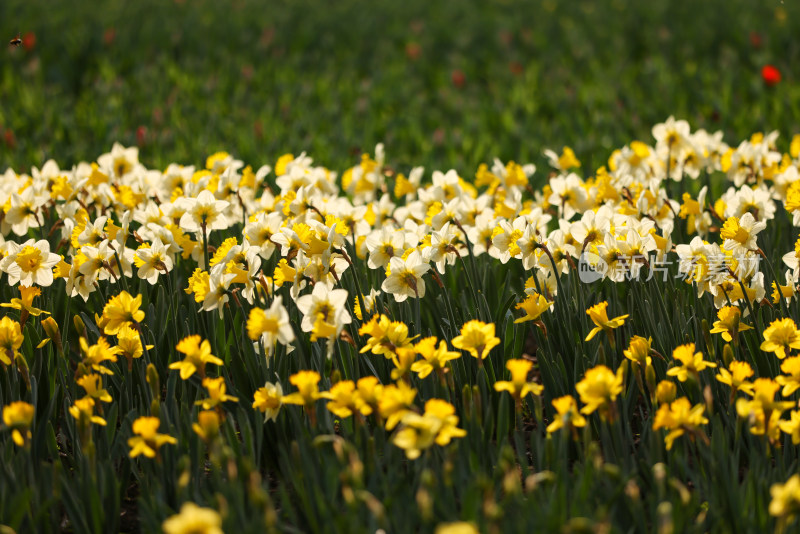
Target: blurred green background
[{"x": 443, "y": 84}]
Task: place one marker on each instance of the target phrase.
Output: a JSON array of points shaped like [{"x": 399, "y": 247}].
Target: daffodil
[
  {"x": 147, "y": 440},
  {"x": 477, "y": 338},
  {"x": 18, "y": 416},
  {"x": 197, "y": 353},
  {"x": 780, "y": 336},
  {"x": 790, "y": 381},
  {"x": 405, "y": 277},
  {"x": 100, "y": 352},
  {"x": 130, "y": 345},
  {"x": 216, "y": 393},
  {"x": 207, "y": 425},
  {"x": 433, "y": 358},
  {"x": 736, "y": 377},
  {"x": 519, "y": 386},
  {"x": 11, "y": 339},
  {"x": 271, "y": 326},
  {"x": 534, "y": 306},
  {"x": 419, "y": 432},
  {"x": 25, "y": 303},
  {"x": 729, "y": 324},
  {"x": 307, "y": 384},
  {"x": 342, "y": 399},
  {"x": 121, "y": 310},
  {"x": 599, "y": 317},
  {"x": 30, "y": 263},
  {"x": 598, "y": 390},
  {"x": 679, "y": 417},
  {"x": 268, "y": 399},
  {"x": 153, "y": 260},
  {"x": 93, "y": 385},
  {"x": 691, "y": 363},
  {"x": 785, "y": 501},
  {"x": 385, "y": 336},
  {"x": 567, "y": 415}
]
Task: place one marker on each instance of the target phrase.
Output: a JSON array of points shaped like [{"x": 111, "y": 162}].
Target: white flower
[
  {"x": 204, "y": 210},
  {"x": 30, "y": 263},
  {"x": 153, "y": 260},
  {"x": 405, "y": 277}
]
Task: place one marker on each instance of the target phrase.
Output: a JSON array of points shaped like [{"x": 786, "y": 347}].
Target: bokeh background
[{"x": 442, "y": 84}]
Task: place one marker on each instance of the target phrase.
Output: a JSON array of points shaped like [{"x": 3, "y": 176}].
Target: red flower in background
[
  {"x": 29, "y": 40},
  {"x": 458, "y": 78},
  {"x": 770, "y": 75}
]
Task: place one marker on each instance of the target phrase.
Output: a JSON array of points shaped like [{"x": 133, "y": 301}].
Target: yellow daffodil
[
  {"x": 268, "y": 400},
  {"x": 18, "y": 416},
  {"x": 599, "y": 317},
  {"x": 477, "y": 338},
  {"x": 534, "y": 306},
  {"x": 691, "y": 363},
  {"x": 679, "y": 417},
  {"x": 197, "y": 354},
  {"x": 342, "y": 398},
  {"x": 121, "y": 310},
  {"x": 519, "y": 386},
  {"x": 11, "y": 339},
  {"x": 307, "y": 384},
  {"x": 780, "y": 336},
  {"x": 193, "y": 519},
  {"x": 147, "y": 440},
  {"x": 599, "y": 389},
  {"x": 567, "y": 415},
  {"x": 207, "y": 425},
  {"x": 216, "y": 393},
  {"x": 433, "y": 358},
  {"x": 728, "y": 324}
]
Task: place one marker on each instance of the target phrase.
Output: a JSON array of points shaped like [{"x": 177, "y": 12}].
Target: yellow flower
[
  {"x": 18, "y": 416},
  {"x": 460, "y": 527},
  {"x": 638, "y": 351},
  {"x": 519, "y": 386},
  {"x": 370, "y": 391},
  {"x": 599, "y": 317},
  {"x": 403, "y": 360},
  {"x": 692, "y": 363},
  {"x": 790, "y": 383},
  {"x": 98, "y": 353},
  {"x": 93, "y": 385},
  {"x": 737, "y": 377},
  {"x": 197, "y": 356},
  {"x": 342, "y": 398},
  {"x": 763, "y": 412},
  {"x": 199, "y": 284},
  {"x": 396, "y": 400},
  {"x": 419, "y": 432},
  {"x": 792, "y": 426},
  {"x": 679, "y": 417},
  {"x": 120, "y": 310},
  {"x": 599, "y": 389},
  {"x": 11, "y": 339},
  {"x": 83, "y": 412},
  {"x": 25, "y": 303},
  {"x": 307, "y": 384},
  {"x": 207, "y": 425},
  {"x": 434, "y": 359},
  {"x": 533, "y": 306},
  {"x": 147, "y": 440},
  {"x": 666, "y": 391},
  {"x": 477, "y": 338},
  {"x": 52, "y": 332},
  {"x": 193, "y": 519},
  {"x": 785, "y": 501},
  {"x": 268, "y": 399},
  {"x": 779, "y": 336},
  {"x": 567, "y": 414},
  {"x": 385, "y": 336},
  {"x": 216, "y": 393},
  {"x": 130, "y": 344},
  {"x": 728, "y": 324}
]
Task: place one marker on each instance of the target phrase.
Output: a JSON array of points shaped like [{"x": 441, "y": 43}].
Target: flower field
[
  {"x": 527, "y": 266},
  {"x": 290, "y": 347}
]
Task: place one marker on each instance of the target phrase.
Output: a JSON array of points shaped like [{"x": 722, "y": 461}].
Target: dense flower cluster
[{"x": 273, "y": 244}]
